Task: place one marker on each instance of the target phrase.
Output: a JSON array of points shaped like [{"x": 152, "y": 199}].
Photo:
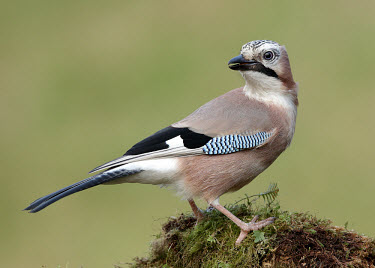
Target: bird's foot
[
  {"x": 253, "y": 226},
  {"x": 200, "y": 216},
  {"x": 197, "y": 212}
]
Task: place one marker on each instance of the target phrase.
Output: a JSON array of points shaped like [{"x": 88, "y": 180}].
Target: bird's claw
[
  {"x": 200, "y": 216},
  {"x": 253, "y": 226}
]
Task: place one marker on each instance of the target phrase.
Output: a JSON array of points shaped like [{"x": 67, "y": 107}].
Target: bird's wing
[
  {"x": 168, "y": 142},
  {"x": 227, "y": 124}
]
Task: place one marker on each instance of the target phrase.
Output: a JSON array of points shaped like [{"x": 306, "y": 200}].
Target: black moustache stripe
[
  {"x": 257, "y": 67},
  {"x": 262, "y": 69}
]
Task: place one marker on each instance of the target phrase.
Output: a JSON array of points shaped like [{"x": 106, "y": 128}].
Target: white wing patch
[{"x": 175, "y": 142}]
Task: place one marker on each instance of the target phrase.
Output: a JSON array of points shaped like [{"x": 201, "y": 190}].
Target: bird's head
[{"x": 264, "y": 63}]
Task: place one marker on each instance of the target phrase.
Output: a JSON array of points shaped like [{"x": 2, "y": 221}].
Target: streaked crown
[{"x": 265, "y": 51}]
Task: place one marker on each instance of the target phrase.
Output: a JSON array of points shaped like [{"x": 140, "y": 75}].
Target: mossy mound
[{"x": 294, "y": 240}]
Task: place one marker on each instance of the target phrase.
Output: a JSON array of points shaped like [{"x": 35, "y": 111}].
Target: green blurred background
[{"x": 82, "y": 81}]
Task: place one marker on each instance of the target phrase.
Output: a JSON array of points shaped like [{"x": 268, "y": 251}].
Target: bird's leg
[
  {"x": 197, "y": 212},
  {"x": 245, "y": 227}
]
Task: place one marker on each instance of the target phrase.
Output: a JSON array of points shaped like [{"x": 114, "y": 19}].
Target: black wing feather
[
  {"x": 158, "y": 140},
  {"x": 194, "y": 140}
]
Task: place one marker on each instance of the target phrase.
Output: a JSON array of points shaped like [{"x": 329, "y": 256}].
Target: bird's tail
[{"x": 100, "y": 178}]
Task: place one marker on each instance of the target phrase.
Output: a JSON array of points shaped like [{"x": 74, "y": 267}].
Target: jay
[{"x": 220, "y": 147}]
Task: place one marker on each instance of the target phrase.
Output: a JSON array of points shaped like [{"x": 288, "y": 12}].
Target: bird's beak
[{"x": 239, "y": 63}]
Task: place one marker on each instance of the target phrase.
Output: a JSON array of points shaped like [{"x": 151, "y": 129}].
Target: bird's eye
[{"x": 268, "y": 55}]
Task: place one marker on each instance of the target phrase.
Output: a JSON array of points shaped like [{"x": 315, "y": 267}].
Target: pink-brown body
[{"x": 210, "y": 177}]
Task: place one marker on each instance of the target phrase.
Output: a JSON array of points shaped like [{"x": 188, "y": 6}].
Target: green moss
[{"x": 294, "y": 240}]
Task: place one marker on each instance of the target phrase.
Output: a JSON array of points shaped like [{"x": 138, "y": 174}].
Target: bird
[{"x": 220, "y": 147}]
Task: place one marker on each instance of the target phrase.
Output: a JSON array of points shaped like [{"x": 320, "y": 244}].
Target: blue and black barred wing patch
[{"x": 235, "y": 143}]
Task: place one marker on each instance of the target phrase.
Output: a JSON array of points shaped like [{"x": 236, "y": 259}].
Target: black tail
[{"x": 103, "y": 177}]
